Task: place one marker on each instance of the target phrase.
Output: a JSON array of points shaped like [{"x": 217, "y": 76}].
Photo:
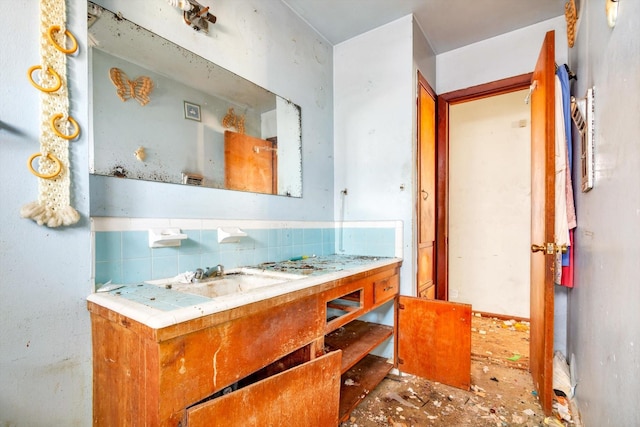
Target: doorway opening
[
  {"x": 490, "y": 203},
  {"x": 484, "y": 215},
  {"x": 446, "y": 103}
]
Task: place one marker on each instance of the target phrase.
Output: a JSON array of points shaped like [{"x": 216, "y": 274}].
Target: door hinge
[
  {"x": 400, "y": 361},
  {"x": 400, "y": 306}
]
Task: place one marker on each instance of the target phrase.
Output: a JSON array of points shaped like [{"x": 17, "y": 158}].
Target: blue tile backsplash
[{"x": 125, "y": 256}]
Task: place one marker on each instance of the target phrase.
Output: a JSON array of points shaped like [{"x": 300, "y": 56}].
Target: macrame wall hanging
[{"x": 57, "y": 128}]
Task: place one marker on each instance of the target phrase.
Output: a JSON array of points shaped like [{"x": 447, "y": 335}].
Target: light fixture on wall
[
  {"x": 194, "y": 14},
  {"x": 611, "y": 7}
]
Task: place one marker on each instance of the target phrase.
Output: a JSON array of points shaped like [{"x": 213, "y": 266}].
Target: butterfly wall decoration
[{"x": 138, "y": 89}]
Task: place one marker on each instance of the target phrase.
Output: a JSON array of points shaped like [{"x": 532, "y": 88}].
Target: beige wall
[{"x": 489, "y": 208}]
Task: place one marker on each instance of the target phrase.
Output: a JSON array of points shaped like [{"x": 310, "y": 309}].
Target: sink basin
[{"x": 234, "y": 281}]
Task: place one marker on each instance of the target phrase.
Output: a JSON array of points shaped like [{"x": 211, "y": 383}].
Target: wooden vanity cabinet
[
  {"x": 148, "y": 377},
  {"x": 289, "y": 356}
]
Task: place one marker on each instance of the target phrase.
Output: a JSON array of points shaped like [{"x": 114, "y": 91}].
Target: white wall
[
  {"x": 499, "y": 57},
  {"x": 604, "y": 334},
  {"x": 265, "y": 42},
  {"x": 373, "y": 131},
  {"x": 424, "y": 57},
  {"x": 490, "y": 204}
]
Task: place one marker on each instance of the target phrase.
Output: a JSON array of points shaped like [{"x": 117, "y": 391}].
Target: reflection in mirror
[{"x": 162, "y": 113}]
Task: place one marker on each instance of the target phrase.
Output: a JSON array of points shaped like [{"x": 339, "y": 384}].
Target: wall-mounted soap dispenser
[{"x": 165, "y": 237}]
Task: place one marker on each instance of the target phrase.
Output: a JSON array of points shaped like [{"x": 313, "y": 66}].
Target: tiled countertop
[{"x": 157, "y": 307}]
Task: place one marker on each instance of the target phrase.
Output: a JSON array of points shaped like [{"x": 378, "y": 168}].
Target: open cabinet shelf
[
  {"x": 358, "y": 382},
  {"x": 356, "y": 339}
]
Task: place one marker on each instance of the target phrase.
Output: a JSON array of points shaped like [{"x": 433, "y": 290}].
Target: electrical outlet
[{"x": 454, "y": 293}]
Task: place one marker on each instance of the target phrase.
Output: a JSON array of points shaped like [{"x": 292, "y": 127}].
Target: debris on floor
[{"x": 501, "y": 395}]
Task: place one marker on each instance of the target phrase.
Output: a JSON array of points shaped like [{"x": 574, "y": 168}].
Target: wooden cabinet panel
[
  {"x": 426, "y": 202},
  {"x": 427, "y": 291},
  {"x": 196, "y": 365},
  {"x": 306, "y": 395},
  {"x": 426, "y": 163},
  {"x": 385, "y": 289},
  {"x": 119, "y": 356},
  {"x": 434, "y": 340},
  {"x": 425, "y": 269}
]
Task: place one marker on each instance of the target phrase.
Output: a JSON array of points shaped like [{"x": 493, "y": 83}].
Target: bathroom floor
[{"x": 502, "y": 389}]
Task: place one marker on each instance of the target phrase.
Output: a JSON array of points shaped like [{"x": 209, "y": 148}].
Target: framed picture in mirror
[{"x": 191, "y": 111}]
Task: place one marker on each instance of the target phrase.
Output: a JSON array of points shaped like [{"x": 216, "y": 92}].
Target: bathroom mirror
[{"x": 162, "y": 113}]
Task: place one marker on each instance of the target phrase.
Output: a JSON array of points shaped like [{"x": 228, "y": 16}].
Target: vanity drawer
[
  {"x": 384, "y": 289},
  {"x": 286, "y": 398}
]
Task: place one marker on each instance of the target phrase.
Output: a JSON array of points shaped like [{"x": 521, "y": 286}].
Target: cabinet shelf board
[
  {"x": 356, "y": 339},
  {"x": 363, "y": 377},
  {"x": 343, "y": 307}
]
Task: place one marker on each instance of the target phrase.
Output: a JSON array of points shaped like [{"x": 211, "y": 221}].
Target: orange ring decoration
[
  {"x": 74, "y": 42},
  {"x": 53, "y": 120},
  {"x": 49, "y": 70},
  {"x": 42, "y": 175}
]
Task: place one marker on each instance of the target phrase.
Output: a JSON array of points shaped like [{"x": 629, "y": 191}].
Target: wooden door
[
  {"x": 434, "y": 340},
  {"x": 427, "y": 189},
  {"x": 305, "y": 395},
  {"x": 542, "y": 221},
  {"x": 250, "y": 163}
]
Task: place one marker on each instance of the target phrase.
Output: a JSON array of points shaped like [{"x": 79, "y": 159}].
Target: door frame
[{"x": 444, "y": 101}]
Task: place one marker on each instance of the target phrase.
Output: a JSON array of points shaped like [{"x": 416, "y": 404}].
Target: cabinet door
[
  {"x": 307, "y": 395},
  {"x": 426, "y": 202},
  {"x": 434, "y": 340}
]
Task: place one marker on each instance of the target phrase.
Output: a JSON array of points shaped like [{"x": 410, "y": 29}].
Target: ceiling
[{"x": 447, "y": 24}]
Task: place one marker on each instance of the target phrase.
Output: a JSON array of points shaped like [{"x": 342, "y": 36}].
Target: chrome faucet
[
  {"x": 200, "y": 274},
  {"x": 216, "y": 271}
]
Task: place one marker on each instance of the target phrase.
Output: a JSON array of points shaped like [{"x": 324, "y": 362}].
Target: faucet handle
[{"x": 198, "y": 275}]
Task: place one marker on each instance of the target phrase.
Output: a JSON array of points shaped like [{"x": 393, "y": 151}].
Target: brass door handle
[
  {"x": 538, "y": 248},
  {"x": 549, "y": 248}
]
